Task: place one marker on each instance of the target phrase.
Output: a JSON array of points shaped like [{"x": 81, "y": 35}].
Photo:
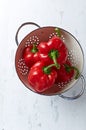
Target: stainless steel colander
[{"x": 75, "y": 54}]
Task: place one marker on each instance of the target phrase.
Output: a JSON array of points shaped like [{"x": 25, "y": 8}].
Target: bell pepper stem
[
  {"x": 77, "y": 72},
  {"x": 34, "y": 49},
  {"x": 57, "y": 30},
  {"x": 69, "y": 68},
  {"x": 54, "y": 54},
  {"x": 47, "y": 69},
  {"x": 56, "y": 63}
]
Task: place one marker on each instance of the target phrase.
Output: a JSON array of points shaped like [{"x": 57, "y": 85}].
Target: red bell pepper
[
  {"x": 66, "y": 72},
  {"x": 41, "y": 77},
  {"x": 30, "y": 55},
  {"x": 53, "y": 50}
]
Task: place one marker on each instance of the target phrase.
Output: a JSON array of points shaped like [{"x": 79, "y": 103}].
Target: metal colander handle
[
  {"x": 79, "y": 94},
  {"x": 24, "y": 24}
]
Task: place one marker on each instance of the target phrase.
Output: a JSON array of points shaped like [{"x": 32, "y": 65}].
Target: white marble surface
[{"x": 21, "y": 109}]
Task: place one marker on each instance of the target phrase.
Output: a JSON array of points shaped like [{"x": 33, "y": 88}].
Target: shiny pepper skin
[
  {"x": 54, "y": 44},
  {"x": 40, "y": 80}
]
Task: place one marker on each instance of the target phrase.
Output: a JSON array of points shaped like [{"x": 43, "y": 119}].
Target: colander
[{"x": 75, "y": 54}]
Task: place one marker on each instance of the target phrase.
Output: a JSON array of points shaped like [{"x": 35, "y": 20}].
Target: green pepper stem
[
  {"x": 57, "y": 30},
  {"x": 54, "y": 54},
  {"x": 55, "y": 62},
  {"x": 77, "y": 72},
  {"x": 69, "y": 68},
  {"x": 34, "y": 49},
  {"x": 47, "y": 69}
]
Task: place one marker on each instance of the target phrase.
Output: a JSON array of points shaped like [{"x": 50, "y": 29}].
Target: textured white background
[{"x": 21, "y": 109}]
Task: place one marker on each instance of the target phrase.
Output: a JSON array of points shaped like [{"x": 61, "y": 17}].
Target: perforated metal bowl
[{"x": 75, "y": 54}]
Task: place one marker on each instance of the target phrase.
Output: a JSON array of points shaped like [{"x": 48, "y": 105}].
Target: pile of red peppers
[{"x": 48, "y": 63}]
